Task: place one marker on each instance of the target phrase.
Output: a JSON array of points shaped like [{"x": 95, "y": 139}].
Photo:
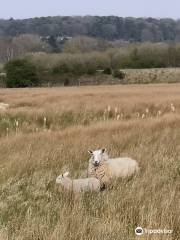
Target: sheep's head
[
  {"x": 61, "y": 177},
  {"x": 98, "y": 156}
]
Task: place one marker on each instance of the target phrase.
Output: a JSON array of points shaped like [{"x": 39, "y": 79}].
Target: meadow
[{"x": 47, "y": 131}]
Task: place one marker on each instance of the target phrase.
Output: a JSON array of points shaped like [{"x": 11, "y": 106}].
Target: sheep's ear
[
  {"x": 65, "y": 174},
  {"x": 103, "y": 150},
  {"x": 90, "y": 152}
]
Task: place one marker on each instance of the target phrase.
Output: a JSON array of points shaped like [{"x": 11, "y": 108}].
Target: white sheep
[
  {"x": 106, "y": 169},
  {"x": 78, "y": 185}
]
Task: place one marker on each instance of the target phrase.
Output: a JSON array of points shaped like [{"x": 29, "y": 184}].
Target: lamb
[
  {"x": 105, "y": 169},
  {"x": 78, "y": 185}
]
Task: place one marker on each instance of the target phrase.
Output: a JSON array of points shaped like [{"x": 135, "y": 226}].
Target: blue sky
[{"x": 124, "y": 8}]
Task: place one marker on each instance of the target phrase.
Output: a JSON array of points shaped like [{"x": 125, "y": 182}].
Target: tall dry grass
[{"x": 33, "y": 207}]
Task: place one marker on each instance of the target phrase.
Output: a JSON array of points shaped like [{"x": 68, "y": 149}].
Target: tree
[
  {"x": 146, "y": 35},
  {"x": 109, "y": 27},
  {"x": 27, "y": 43},
  {"x": 81, "y": 45},
  {"x": 11, "y": 47},
  {"x": 7, "y": 50},
  {"x": 21, "y": 73}
]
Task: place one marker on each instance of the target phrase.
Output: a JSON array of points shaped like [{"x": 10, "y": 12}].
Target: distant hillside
[{"x": 109, "y": 28}]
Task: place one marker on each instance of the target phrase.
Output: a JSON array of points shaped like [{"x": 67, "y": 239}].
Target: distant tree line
[
  {"x": 110, "y": 28},
  {"x": 36, "y": 69},
  {"x": 82, "y": 34},
  {"x": 11, "y": 47}
]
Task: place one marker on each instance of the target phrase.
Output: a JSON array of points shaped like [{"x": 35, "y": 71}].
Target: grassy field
[{"x": 48, "y": 131}]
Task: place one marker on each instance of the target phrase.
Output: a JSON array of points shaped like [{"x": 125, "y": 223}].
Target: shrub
[
  {"x": 21, "y": 73},
  {"x": 107, "y": 70},
  {"x": 118, "y": 74},
  {"x": 61, "y": 68}
]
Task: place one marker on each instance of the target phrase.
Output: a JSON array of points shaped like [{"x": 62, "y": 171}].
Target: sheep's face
[
  {"x": 98, "y": 156},
  {"x": 61, "y": 177}
]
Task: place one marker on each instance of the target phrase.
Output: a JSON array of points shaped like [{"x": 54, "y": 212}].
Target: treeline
[
  {"x": 110, "y": 28},
  {"x": 147, "y": 55},
  {"x": 69, "y": 68},
  {"x": 12, "y": 47}
]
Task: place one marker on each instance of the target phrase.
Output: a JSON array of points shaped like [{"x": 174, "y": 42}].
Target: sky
[{"x": 20, "y": 9}]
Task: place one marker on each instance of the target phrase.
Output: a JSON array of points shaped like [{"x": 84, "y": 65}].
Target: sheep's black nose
[{"x": 96, "y": 163}]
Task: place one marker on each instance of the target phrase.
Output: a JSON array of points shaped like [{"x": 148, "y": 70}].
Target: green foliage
[
  {"x": 118, "y": 74},
  {"x": 146, "y": 56},
  {"x": 78, "y": 64},
  {"x": 107, "y": 71},
  {"x": 61, "y": 68},
  {"x": 21, "y": 73}
]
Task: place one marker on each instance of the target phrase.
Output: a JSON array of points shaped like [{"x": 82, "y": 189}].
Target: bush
[
  {"x": 61, "y": 68},
  {"x": 107, "y": 71},
  {"x": 118, "y": 74},
  {"x": 21, "y": 73}
]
